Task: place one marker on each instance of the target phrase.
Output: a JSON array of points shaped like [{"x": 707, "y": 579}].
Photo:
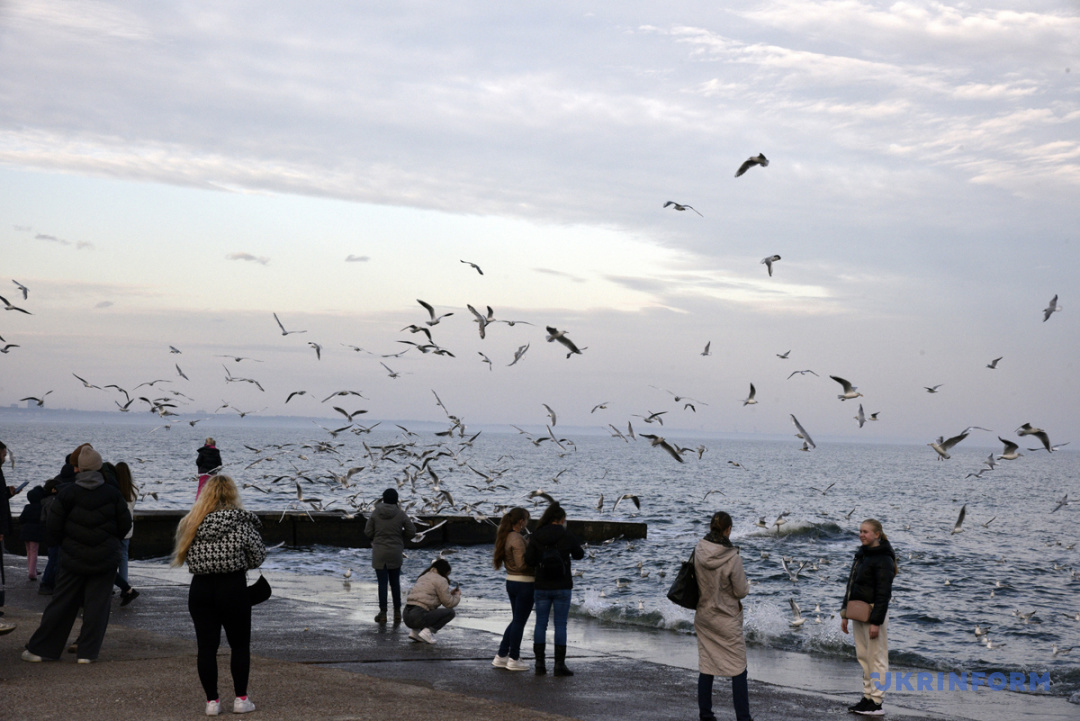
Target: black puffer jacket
[
  {"x": 208, "y": 460},
  {"x": 871, "y": 579},
  {"x": 554, "y": 536},
  {"x": 87, "y": 521},
  {"x": 31, "y": 529}
]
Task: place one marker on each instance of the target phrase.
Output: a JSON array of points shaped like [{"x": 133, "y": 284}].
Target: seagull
[
  {"x": 823, "y": 492},
  {"x": 8, "y": 347},
  {"x": 9, "y": 306},
  {"x": 850, "y": 391},
  {"x": 174, "y": 350},
  {"x": 1063, "y": 501},
  {"x": 662, "y": 442},
  {"x": 1010, "y": 452},
  {"x": 750, "y": 398},
  {"x": 942, "y": 446},
  {"x": 750, "y": 162},
  {"x": 560, "y": 335},
  {"x": 992, "y": 365},
  {"x": 625, "y": 497},
  {"x": 768, "y": 261},
  {"x": 807, "y": 440},
  {"x": 485, "y": 359},
  {"x": 22, "y": 288},
  {"x": 861, "y": 417},
  {"x": 681, "y": 207},
  {"x": 798, "y": 619},
  {"x": 1028, "y": 430},
  {"x": 1047, "y": 312},
  {"x": 474, "y": 265},
  {"x": 706, "y": 351},
  {"x": 652, "y": 417},
  {"x": 736, "y": 464},
  {"x": 520, "y": 353},
  {"x": 181, "y": 373},
  {"x": 39, "y": 401},
  {"x": 434, "y": 320},
  {"x": 802, "y": 373},
  {"x": 933, "y": 389},
  {"x": 783, "y": 356},
  {"x": 960, "y": 520},
  {"x": 283, "y": 331},
  {"x": 599, "y": 407},
  {"x": 343, "y": 393},
  {"x": 295, "y": 393},
  {"x": 873, "y": 416},
  {"x": 484, "y": 321},
  {"x": 86, "y": 383},
  {"x": 987, "y": 524},
  {"x": 238, "y": 358},
  {"x": 551, "y": 413},
  {"x": 318, "y": 349}
]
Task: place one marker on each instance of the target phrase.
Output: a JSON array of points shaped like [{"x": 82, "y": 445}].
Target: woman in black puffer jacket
[
  {"x": 549, "y": 552},
  {"x": 870, "y": 581}
]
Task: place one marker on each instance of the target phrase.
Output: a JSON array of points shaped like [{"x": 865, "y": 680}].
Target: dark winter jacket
[
  {"x": 553, "y": 536},
  {"x": 208, "y": 460},
  {"x": 87, "y": 521},
  {"x": 871, "y": 579},
  {"x": 31, "y": 527},
  {"x": 226, "y": 541},
  {"x": 387, "y": 527},
  {"x": 5, "y": 506}
]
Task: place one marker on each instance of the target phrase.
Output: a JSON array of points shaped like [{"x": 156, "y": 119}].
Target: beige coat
[
  {"x": 514, "y": 560},
  {"x": 431, "y": 591},
  {"x": 718, "y": 619}
]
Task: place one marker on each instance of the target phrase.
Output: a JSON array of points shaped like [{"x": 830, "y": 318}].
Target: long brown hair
[
  {"x": 123, "y": 479},
  {"x": 552, "y": 514},
  {"x": 218, "y": 494},
  {"x": 510, "y": 519},
  {"x": 440, "y": 565}
]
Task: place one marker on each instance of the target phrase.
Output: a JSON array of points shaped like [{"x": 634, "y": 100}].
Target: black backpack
[{"x": 552, "y": 567}]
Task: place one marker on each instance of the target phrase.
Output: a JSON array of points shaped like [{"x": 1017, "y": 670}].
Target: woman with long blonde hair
[
  {"x": 520, "y": 581},
  {"x": 220, "y": 541}
]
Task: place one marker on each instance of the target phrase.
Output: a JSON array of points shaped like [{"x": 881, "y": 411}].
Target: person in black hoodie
[
  {"x": 549, "y": 552},
  {"x": 32, "y": 529},
  {"x": 87, "y": 521},
  {"x": 208, "y": 462},
  {"x": 870, "y": 581},
  {"x": 52, "y": 488}
]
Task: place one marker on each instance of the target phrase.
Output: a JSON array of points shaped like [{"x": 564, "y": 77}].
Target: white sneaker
[
  {"x": 514, "y": 664},
  {"x": 242, "y": 705},
  {"x": 427, "y": 636},
  {"x": 31, "y": 657},
  {"x": 414, "y": 635},
  {"x": 500, "y": 661},
  {"x": 213, "y": 708},
  {"x": 84, "y": 660}
]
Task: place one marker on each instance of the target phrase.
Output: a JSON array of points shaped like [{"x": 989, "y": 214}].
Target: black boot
[
  {"x": 538, "y": 653},
  {"x": 560, "y": 662}
]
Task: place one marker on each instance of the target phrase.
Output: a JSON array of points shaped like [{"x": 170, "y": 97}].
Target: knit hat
[
  {"x": 389, "y": 496},
  {"x": 89, "y": 460}
]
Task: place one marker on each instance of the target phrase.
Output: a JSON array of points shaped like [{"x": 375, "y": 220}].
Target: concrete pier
[{"x": 155, "y": 531}]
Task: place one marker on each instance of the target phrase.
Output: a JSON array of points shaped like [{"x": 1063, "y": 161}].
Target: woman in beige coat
[{"x": 718, "y": 619}]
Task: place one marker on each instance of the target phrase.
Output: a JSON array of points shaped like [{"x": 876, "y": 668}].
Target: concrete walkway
[{"x": 317, "y": 658}]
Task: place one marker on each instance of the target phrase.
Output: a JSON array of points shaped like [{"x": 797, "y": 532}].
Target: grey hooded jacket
[{"x": 388, "y": 527}]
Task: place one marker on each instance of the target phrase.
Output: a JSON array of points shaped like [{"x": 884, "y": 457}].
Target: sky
[{"x": 174, "y": 174}]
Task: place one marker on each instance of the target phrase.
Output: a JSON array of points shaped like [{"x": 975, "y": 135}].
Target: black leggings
[{"x": 217, "y": 600}]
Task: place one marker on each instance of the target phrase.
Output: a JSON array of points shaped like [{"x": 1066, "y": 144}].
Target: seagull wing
[
  {"x": 802, "y": 431},
  {"x": 960, "y": 519}
]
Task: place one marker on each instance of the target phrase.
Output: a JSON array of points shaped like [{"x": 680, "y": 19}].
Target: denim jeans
[
  {"x": 544, "y": 600},
  {"x": 521, "y": 602},
  {"x": 391, "y": 577},
  {"x": 122, "y": 572}
]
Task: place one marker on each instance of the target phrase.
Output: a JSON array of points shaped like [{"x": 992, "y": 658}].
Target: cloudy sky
[{"x": 173, "y": 174}]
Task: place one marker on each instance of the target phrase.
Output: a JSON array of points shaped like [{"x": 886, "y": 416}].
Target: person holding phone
[
  {"x": 870, "y": 582},
  {"x": 430, "y": 603}
]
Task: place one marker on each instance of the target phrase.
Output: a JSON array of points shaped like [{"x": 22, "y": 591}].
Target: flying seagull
[
  {"x": 767, "y": 261},
  {"x": 22, "y": 288},
  {"x": 318, "y": 350},
  {"x": 662, "y": 442},
  {"x": 750, "y": 162},
  {"x": 474, "y": 265},
  {"x": 992, "y": 365},
  {"x": 750, "y": 398},
  {"x": 1010, "y": 452},
  {"x": 560, "y": 335},
  {"x": 707, "y": 347},
  {"x": 850, "y": 391},
  {"x": 1047, "y": 312},
  {"x": 520, "y": 353},
  {"x": 960, "y": 520},
  {"x": 434, "y": 320},
  {"x": 39, "y": 401},
  {"x": 933, "y": 389},
  {"x": 861, "y": 417},
  {"x": 802, "y": 432},
  {"x": 680, "y": 206},
  {"x": 283, "y": 331},
  {"x": 1028, "y": 430},
  {"x": 9, "y": 306},
  {"x": 942, "y": 446}
]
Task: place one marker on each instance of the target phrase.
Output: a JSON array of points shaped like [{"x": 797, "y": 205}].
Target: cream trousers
[{"x": 873, "y": 655}]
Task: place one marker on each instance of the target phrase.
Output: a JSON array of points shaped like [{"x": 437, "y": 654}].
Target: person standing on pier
[
  {"x": 388, "y": 527},
  {"x": 718, "y": 619},
  {"x": 208, "y": 462},
  {"x": 520, "y": 578},
  {"x": 549, "y": 552}
]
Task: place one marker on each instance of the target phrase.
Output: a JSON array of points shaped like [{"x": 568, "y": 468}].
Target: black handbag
[
  {"x": 684, "y": 589},
  {"x": 259, "y": 591}
]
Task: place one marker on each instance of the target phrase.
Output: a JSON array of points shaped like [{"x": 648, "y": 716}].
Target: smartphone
[{"x": 22, "y": 486}]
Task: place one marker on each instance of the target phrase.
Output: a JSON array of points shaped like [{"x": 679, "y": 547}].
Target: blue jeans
[
  {"x": 545, "y": 599},
  {"x": 521, "y": 602},
  {"x": 391, "y": 577},
  {"x": 48, "y": 578},
  {"x": 122, "y": 572}
]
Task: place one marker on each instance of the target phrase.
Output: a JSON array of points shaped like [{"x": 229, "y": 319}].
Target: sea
[{"x": 1013, "y": 568}]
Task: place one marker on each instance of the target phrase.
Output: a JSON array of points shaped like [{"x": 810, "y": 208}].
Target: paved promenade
[{"x": 317, "y": 657}]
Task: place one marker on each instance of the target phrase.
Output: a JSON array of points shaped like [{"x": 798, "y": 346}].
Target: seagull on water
[
  {"x": 796, "y": 612},
  {"x": 681, "y": 207},
  {"x": 750, "y": 162}
]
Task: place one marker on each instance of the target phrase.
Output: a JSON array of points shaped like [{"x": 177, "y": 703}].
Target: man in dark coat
[
  {"x": 88, "y": 520},
  {"x": 6, "y": 492}
]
